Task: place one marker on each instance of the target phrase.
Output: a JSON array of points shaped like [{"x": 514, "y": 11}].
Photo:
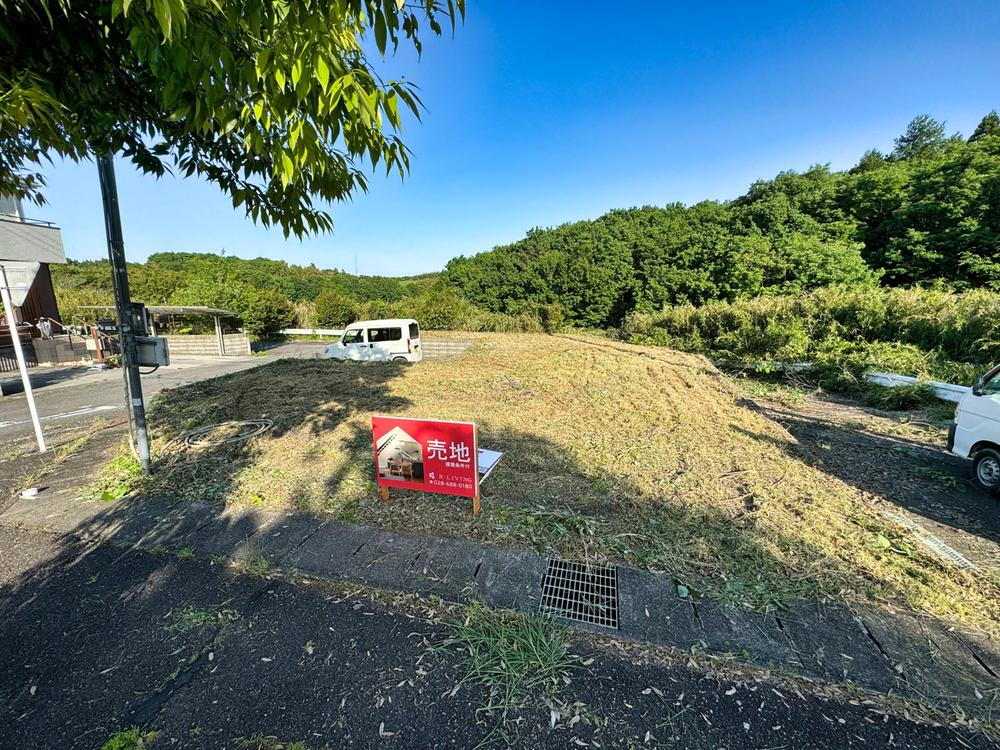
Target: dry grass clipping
[{"x": 635, "y": 454}]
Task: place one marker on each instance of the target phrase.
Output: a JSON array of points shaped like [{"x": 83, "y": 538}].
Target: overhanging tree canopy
[{"x": 274, "y": 101}]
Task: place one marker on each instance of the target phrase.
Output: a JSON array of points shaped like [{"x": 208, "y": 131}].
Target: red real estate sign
[{"x": 426, "y": 454}]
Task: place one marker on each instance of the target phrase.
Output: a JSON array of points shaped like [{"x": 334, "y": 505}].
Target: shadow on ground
[
  {"x": 40, "y": 378},
  {"x": 99, "y": 639},
  {"x": 907, "y": 653},
  {"x": 908, "y": 473}
]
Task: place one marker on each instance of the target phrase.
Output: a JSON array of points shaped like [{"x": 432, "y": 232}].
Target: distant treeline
[
  {"x": 929, "y": 212},
  {"x": 268, "y": 294}
]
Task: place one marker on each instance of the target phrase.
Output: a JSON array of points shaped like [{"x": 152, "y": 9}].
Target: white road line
[{"x": 77, "y": 413}]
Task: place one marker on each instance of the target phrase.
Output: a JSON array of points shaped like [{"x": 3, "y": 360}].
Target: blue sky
[{"x": 542, "y": 113}]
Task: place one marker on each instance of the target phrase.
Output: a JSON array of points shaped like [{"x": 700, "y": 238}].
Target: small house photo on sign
[{"x": 400, "y": 457}]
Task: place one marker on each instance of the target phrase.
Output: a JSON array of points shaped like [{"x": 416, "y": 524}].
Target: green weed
[
  {"x": 546, "y": 527},
  {"x": 512, "y": 656},
  {"x": 120, "y": 476},
  {"x": 195, "y": 619},
  {"x": 130, "y": 739},
  {"x": 260, "y": 742},
  {"x": 255, "y": 562}
]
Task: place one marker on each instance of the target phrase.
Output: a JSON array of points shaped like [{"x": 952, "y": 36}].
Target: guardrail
[
  {"x": 945, "y": 391},
  {"x": 312, "y": 332}
]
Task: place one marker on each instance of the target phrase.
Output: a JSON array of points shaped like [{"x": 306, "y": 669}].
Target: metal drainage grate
[{"x": 584, "y": 592}]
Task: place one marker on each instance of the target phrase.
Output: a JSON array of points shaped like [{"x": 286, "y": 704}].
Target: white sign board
[
  {"x": 19, "y": 279},
  {"x": 487, "y": 461}
]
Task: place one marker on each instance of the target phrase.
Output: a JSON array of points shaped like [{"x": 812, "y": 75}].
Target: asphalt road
[
  {"x": 68, "y": 397},
  {"x": 98, "y": 639}
]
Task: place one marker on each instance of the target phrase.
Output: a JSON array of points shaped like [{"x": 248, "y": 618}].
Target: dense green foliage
[
  {"x": 334, "y": 309},
  {"x": 921, "y": 332},
  {"x": 277, "y": 103},
  {"x": 270, "y": 295},
  {"x": 261, "y": 291},
  {"x": 929, "y": 211}
]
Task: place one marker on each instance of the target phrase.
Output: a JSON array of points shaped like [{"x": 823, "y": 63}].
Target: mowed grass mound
[{"x": 626, "y": 453}]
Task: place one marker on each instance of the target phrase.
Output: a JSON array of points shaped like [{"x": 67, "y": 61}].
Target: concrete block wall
[
  {"x": 237, "y": 344},
  {"x": 207, "y": 345},
  {"x": 61, "y": 350}
]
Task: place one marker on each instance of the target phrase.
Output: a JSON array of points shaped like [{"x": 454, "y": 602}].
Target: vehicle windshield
[
  {"x": 352, "y": 336},
  {"x": 992, "y": 385}
]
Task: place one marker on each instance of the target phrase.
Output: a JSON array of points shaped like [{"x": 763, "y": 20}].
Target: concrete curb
[{"x": 879, "y": 649}]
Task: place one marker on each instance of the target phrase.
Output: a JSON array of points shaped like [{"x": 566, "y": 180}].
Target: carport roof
[
  {"x": 189, "y": 310},
  {"x": 176, "y": 310}
]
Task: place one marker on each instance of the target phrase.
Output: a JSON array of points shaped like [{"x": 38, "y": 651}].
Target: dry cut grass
[{"x": 627, "y": 453}]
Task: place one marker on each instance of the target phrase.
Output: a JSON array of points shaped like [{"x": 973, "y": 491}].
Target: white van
[
  {"x": 975, "y": 433},
  {"x": 379, "y": 340}
]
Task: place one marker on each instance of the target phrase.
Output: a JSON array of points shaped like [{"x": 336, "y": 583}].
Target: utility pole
[{"x": 123, "y": 303}]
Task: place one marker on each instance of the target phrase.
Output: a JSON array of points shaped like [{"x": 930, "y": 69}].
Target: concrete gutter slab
[
  {"x": 328, "y": 552},
  {"x": 833, "y": 644},
  {"x": 736, "y": 631},
  {"x": 387, "y": 559},
  {"x": 175, "y": 528},
  {"x": 229, "y": 528},
  {"x": 929, "y": 661},
  {"x": 448, "y": 569},
  {"x": 511, "y": 579},
  {"x": 650, "y": 610},
  {"x": 277, "y": 536}
]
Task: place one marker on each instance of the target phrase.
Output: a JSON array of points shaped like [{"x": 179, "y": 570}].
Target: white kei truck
[
  {"x": 975, "y": 432},
  {"x": 396, "y": 340}
]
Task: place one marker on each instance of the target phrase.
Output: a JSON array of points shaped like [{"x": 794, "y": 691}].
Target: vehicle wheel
[
  {"x": 400, "y": 359},
  {"x": 986, "y": 470}
]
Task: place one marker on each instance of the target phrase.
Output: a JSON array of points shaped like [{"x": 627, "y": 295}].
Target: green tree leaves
[
  {"x": 335, "y": 309},
  {"x": 274, "y": 102},
  {"x": 924, "y": 136},
  {"x": 928, "y": 212},
  {"x": 933, "y": 217}
]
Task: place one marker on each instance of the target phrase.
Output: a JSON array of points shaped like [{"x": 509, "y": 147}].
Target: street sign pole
[
  {"x": 8, "y": 310},
  {"x": 123, "y": 303}
]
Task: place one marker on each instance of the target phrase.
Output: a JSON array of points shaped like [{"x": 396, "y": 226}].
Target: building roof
[{"x": 176, "y": 310}]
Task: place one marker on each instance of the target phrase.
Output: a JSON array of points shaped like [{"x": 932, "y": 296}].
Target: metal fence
[{"x": 8, "y": 359}]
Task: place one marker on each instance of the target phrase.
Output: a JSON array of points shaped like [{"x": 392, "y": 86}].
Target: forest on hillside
[
  {"x": 927, "y": 213},
  {"x": 267, "y": 294}
]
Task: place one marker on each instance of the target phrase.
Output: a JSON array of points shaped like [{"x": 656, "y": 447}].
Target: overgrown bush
[
  {"x": 335, "y": 309},
  {"x": 920, "y": 332}
]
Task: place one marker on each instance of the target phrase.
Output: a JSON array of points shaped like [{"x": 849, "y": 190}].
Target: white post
[
  {"x": 220, "y": 339},
  {"x": 8, "y": 309}
]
